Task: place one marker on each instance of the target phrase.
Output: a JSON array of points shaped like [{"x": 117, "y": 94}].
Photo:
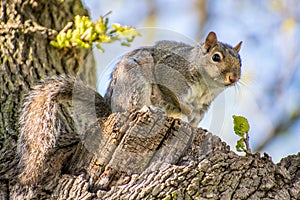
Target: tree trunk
[
  {"x": 132, "y": 155},
  {"x": 26, "y": 28}
]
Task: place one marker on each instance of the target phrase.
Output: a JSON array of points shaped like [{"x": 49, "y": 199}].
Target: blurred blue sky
[{"x": 270, "y": 87}]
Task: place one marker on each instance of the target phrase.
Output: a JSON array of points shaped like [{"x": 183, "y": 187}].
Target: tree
[{"x": 177, "y": 162}]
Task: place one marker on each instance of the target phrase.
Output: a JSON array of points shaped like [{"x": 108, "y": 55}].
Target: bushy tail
[{"x": 38, "y": 123}]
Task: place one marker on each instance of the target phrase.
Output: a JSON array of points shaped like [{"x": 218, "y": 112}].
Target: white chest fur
[{"x": 198, "y": 98}]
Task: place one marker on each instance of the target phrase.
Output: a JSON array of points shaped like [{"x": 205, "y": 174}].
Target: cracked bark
[{"x": 132, "y": 155}]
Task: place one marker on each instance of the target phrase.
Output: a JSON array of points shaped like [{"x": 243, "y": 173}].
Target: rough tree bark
[
  {"x": 26, "y": 28},
  {"x": 138, "y": 154}
]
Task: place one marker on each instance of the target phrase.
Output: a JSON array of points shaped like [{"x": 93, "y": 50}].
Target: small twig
[
  {"x": 108, "y": 13},
  {"x": 248, "y": 149},
  {"x": 66, "y": 28}
]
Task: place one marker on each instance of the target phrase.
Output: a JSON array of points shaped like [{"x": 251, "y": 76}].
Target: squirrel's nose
[{"x": 231, "y": 78}]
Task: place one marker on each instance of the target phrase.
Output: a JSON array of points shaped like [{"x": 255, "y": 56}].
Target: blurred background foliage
[{"x": 268, "y": 94}]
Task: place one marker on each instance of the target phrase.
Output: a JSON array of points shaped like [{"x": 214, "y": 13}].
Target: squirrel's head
[{"x": 221, "y": 62}]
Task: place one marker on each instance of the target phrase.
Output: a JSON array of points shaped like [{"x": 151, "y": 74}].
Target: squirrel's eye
[{"x": 216, "y": 57}]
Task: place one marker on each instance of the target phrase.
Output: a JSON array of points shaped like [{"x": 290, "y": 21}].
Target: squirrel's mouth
[{"x": 230, "y": 84}]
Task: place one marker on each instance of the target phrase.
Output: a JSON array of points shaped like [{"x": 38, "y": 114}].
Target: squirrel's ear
[
  {"x": 238, "y": 46},
  {"x": 210, "y": 41}
]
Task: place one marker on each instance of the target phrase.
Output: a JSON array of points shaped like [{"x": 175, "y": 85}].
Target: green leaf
[
  {"x": 83, "y": 33},
  {"x": 55, "y": 44},
  {"x": 69, "y": 34},
  {"x": 241, "y": 125},
  {"x": 126, "y": 44},
  {"x": 98, "y": 45},
  {"x": 240, "y": 145},
  {"x": 100, "y": 27}
]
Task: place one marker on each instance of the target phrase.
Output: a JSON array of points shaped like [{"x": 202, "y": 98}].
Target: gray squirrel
[{"x": 180, "y": 79}]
